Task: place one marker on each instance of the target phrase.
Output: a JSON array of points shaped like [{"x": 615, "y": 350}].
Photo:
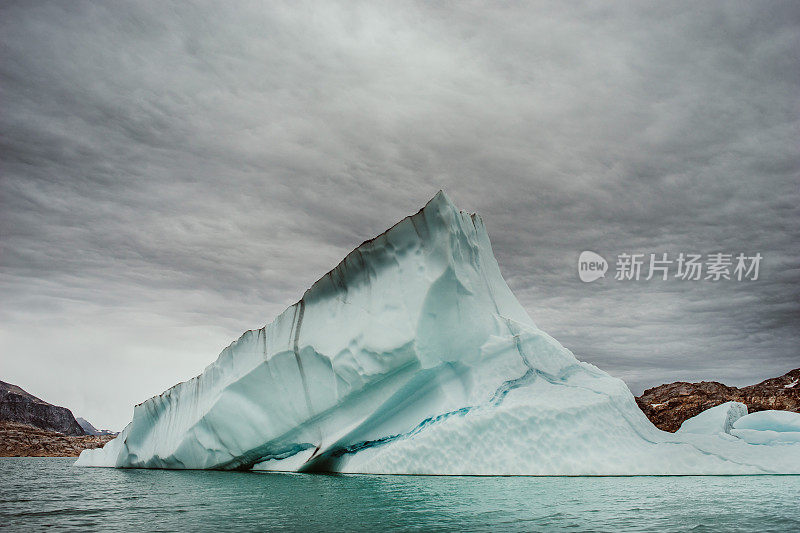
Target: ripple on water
[{"x": 43, "y": 492}]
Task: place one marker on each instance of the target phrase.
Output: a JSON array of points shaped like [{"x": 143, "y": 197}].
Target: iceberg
[
  {"x": 412, "y": 356},
  {"x": 717, "y": 419},
  {"x": 768, "y": 427},
  {"x": 781, "y": 421}
]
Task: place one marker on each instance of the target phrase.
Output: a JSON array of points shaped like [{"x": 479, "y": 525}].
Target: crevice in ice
[
  {"x": 359, "y": 446},
  {"x": 299, "y": 312},
  {"x": 312, "y": 425},
  {"x": 507, "y": 386},
  {"x": 284, "y": 453},
  {"x": 518, "y": 344},
  {"x": 496, "y": 399}
]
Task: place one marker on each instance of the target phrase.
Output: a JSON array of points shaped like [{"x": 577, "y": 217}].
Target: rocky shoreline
[{"x": 23, "y": 440}]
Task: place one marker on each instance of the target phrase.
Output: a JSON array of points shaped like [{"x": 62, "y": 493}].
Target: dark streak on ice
[
  {"x": 299, "y": 312},
  {"x": 497, "y": 398}
]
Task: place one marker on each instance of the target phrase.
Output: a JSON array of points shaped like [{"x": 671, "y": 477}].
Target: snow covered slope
[{"x": 413, "y": 356}]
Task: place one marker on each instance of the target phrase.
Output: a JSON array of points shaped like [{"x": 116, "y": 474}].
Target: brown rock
[
  {"x": 668, "y": 406},
  {"x": 23, "y": 440}
]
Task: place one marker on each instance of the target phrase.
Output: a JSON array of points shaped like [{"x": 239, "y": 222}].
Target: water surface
[{"x": 38, "y": 493}]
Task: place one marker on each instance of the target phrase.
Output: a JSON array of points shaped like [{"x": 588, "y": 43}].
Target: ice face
[
  {"x": 770, "y": 421},
  {"x": 718, "y": 419},
  {"x": 413, "y": 356},
  {"x": 753, "y": 436},
  {"x": 768, "y": 427}
]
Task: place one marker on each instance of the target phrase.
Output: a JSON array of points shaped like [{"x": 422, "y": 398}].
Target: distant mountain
[
  {"x": 669, "y": 405},
  {"x": 89, "y": 429},
  {"x": 17, "y": 405}
]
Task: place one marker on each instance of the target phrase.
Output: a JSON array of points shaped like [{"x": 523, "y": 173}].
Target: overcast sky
[{"x": 173, "y": 175}]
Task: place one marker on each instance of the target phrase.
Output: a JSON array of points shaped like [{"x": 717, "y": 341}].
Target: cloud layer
[{"x": 173, "y": 175}]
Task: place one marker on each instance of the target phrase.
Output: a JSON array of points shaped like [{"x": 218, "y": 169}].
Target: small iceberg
[
  {"x": 768, "y": 427},
  {"x": 719, "y": 419}
]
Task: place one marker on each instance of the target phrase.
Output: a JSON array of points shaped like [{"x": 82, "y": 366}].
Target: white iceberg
[
  {"x": 717, "y": 419},
  {"x": 412, "y": 356},
  {"x": 768, "y": 427},
  {"x": 781, "y": 421}
]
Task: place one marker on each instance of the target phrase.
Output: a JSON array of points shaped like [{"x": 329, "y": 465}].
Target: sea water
[{"x": 39, "y": 493}]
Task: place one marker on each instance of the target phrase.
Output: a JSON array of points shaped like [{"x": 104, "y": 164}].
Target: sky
[{"x": 173, "y": 174}]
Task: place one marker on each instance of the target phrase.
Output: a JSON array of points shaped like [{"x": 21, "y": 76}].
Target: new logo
[{"x": 591, "y": 266}]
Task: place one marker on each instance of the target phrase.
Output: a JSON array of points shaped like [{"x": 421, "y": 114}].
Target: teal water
[{"x": 39, "y": 493}]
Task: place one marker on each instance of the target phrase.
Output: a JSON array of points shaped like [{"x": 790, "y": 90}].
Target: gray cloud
[{"x": 173, "y": 175}]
